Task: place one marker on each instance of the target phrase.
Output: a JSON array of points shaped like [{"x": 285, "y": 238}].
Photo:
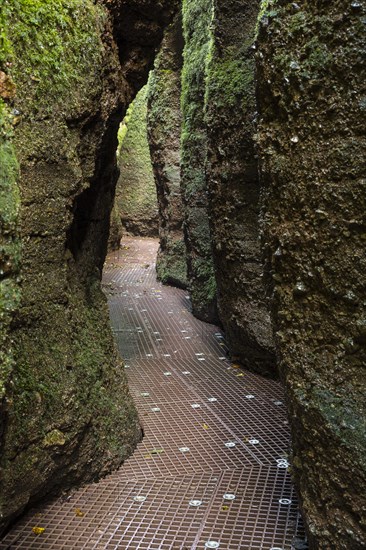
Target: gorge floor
[{"x": 211, "y": 471}]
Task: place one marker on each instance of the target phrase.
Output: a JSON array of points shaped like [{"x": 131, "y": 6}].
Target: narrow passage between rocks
[{"x": 211, "y": 471}]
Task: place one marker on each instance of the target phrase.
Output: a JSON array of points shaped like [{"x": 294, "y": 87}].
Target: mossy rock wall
[
  {"x": 311, "y": 92},
  {"x": 233, "y": 185},
  {"x": 136, "y": 199},
  {"x": 66, "y": 414},
  {"x": 164, "y": 129},
  {"x": 201, "y": 278},
  {"x": 9, "y": 239}
]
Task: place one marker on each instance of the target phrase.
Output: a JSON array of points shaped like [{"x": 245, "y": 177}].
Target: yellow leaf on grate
[{"x": 38, "y": 530}]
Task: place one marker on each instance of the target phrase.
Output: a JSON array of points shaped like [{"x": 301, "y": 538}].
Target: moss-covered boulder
[
  {"x": 311, "y": 91},
  {"x": 164, "y": 129},
  {"x": 233, "y": 185},
  {"x": 136, "y": 200},
  {"x": 201, "y": 279},
  {"x": 66, "y": 414}
]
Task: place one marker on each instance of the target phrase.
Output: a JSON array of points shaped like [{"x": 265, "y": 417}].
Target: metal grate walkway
[{"x": 211, "y": 471}]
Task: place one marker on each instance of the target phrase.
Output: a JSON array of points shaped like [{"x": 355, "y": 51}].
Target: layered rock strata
[
  {"x": 164, "y": 129},
  {"x": 233, "y": 185},
  {"x": 311, "y": 92}
]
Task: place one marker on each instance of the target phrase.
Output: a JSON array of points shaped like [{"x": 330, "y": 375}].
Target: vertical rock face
[
  {"x": 201, "y": 278},
  {"x": 233, "y": 185},
  {"x": 164, "y": 129},
  {"x": 311, "y": 90},
  {"x": 9, "y": 235},
  {"x": 136, "y": 199},
  {"x": 66, "y": 415}
]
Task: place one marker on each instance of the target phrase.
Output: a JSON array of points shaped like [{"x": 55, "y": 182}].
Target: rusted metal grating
[{"x": 211, "y": 429}]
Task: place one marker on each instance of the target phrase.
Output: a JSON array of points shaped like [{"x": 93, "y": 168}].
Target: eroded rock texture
[
  {"x": 66, "y": 415},
  {"x": 311, "y": 90},
  {"x": 201, "y": 278},
  {"x": 136, "y": 200},
  {"x": 164, "y": 129},
  {"x": 233, "y": 185}
]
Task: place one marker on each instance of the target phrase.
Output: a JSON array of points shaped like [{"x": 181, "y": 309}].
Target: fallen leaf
[
  {"x": 79, "y": 513},
  {"x": 206, "y": 426},
  {"x": 156, "y": 451},
  {"x": 38, "y": 530}
]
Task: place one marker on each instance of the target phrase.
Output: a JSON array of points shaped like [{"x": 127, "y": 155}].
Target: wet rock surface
[
  {"x": 164, "y": 129},
  {"x": 233, "y": 185},
  {"x": 311, "y": 139},
  {"x": 66, "y": 414}
]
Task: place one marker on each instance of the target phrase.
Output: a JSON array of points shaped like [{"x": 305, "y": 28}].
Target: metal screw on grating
[
  {"x": 282, "y": 465},
  {"x": 230, "y": 444},
  {"x": 155, "y": 409},
  {"x": 212, "y": 399},
  {"x": 278, "y": 403},
  {"x": 229, "y": 496},
  {"x": 212, "y": 544},
  {"x": 144, "y": 394},
  {"x": 253, "y": 441},
  {"x": 186, "y": 372},
  {"x": 195, "y": 405},
  {"x": 139, "y": 498},
  {"x": 250, "y": 396},
  {"x": 167, "y": 373},
  {"x": 285, "y": 501},
  {"x": 195, "y": 503},
  {"x": 184, "y": 449}
]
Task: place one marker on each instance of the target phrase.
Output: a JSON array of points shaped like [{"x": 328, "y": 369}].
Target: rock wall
[
  {"x": 201, "y": 278},
  {"x": 311, "y": 92},
  {"x": 233, "y": 185},
  {"x": 66, "y": 414},
  {"x": 136, "y": 199},
  {"x": 164, "y": 129}
]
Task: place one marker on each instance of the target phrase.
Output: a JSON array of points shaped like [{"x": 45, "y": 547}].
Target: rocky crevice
[
  {"x": 200, "y": 268},
  {"x": 233, "y": 185},
  {"x": 67, "y": 416},
  {"x": 135, "y": 198},
  {"x": 164, "y": 128}
]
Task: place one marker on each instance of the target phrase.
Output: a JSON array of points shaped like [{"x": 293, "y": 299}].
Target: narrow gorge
[{"x": 233, "y": 132}]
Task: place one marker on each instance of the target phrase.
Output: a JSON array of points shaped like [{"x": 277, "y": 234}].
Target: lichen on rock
[
  {"x": 201, "y": 277},
  {"x": 311, "y": 89},
  {"x": 164, "y": 129},
  {"x": 61, "y": 371},
  {"x": 136, "y": 198},
  {"x": 233, "y": 185}
]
